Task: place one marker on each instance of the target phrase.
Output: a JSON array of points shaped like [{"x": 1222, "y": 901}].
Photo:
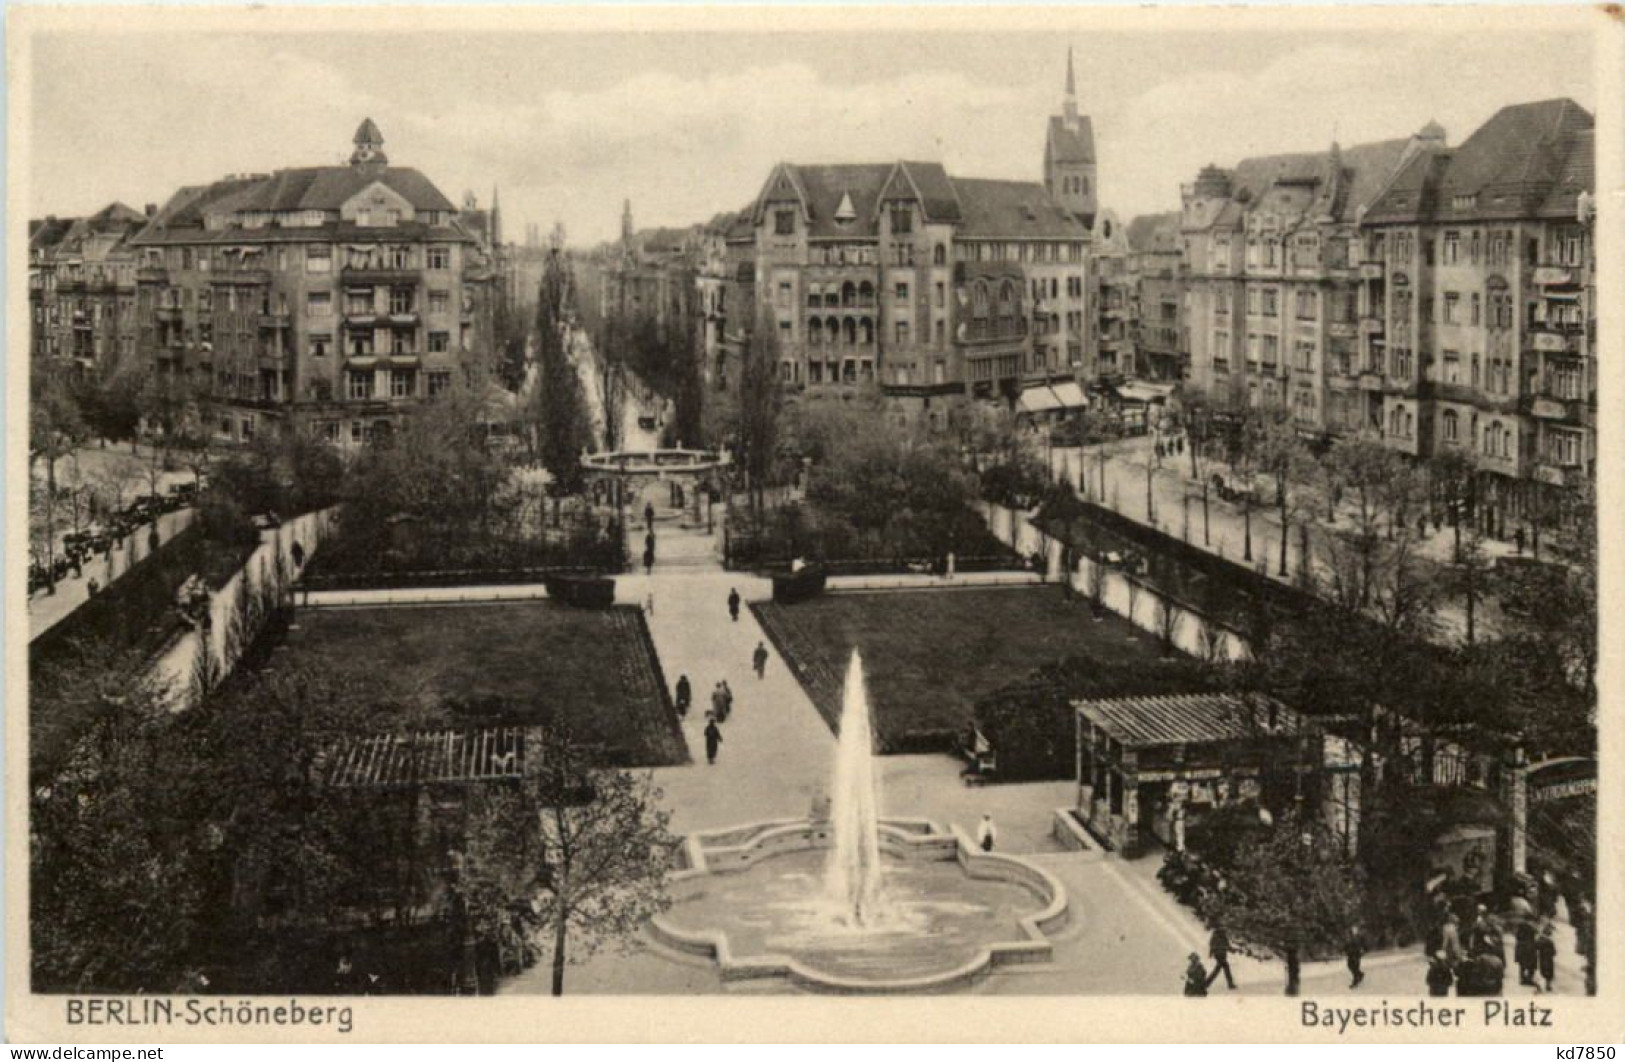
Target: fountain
[
  {"x": 852, "y": 902},
  {"x": 852, "y": 877}
]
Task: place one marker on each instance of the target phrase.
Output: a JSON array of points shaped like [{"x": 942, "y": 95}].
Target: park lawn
[
  {"x": 929, "y": 654},
  {"x": 593, "y": 670}
]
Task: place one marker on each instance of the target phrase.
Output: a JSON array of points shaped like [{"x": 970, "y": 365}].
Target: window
[
  {"x": 319, "y": 304},
  {"x": 1272, "y": 350},
  {"x": 1452, "y": 248},
  {"x": 1452, "y": 426},
  {"x": 1563, "y": 448},
  {"x": 358, "y": 303},
  {"x": 400, "y": 383},
  {"x": 902, "y": 291},
  {"x": 1477, "y": 312},
  {"x": 439, "y": 383},
  {"x": 784, "y": 222},
  {"x": 358, "y": 385},
  {"x": 942, "y": 337},
  {"x": 784, "y": 293},
  {"x": 439, "y": 342},
  {"x": 318, "y": 258},
  {"x": 1272, "y": 302},
  {"x": 902, "y": 219},
  {"x": 785, "y": 333},
  {"x": 1306, "y": 305},
  {"x": 902, "y": 333},
  {"x": 1452, "y": 367},
  {"x": 320, "y": 343},
  {"x": 1452, "y": 308},
  {"x": 400, "y": 257},
  {"x": 1221, "y": 344},
  {"x": 439, "y": 301},
  {"x": 400, "y": 342},
  {"x": 400, "y": 300},
  {"x": 439, "y": 258},
  {"x": 1305, "y": 355},
  {"x": 357, "y": 432}
]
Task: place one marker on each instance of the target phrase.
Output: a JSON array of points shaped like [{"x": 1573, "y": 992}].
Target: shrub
[
  {"x": 582, "y": 591},
  {"x": 790, "y": 587}
]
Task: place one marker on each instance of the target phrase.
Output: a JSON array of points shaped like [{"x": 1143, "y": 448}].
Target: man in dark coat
[
  {"x": 713, "y": 738},
  {"x": 1546, "y": 955},
  {"x": 1195, "y": 976},
  {"x": 733, "y": 604},
  {"x": 1439, "y": 976},
  {"x": 759, "y": 659},
  {"x": 1218, "y": 946},
  {"x": 685, "y": 695},
  {"x": 1523, "y": 951},
  {"x": 649, "y": 515},
  {"x": 1354, "y": 951}
]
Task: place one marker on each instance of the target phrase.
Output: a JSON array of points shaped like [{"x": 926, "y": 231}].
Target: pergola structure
[
  {"x": 628, "y": 471},
  {"x": 1145, "y": 763}
]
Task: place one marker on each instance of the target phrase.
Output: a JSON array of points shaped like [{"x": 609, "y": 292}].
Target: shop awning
[
  {"x": 1137, "y": 391},
  {"x": 1070, "y": 395},
  {"x": 1177, "y": 719},
  {"x": 1038, "y": 400}
]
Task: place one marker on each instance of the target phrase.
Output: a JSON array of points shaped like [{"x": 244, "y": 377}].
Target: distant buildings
[
  {"x": 1436, "y": 298},
  {"x": 329, "y": 298}
]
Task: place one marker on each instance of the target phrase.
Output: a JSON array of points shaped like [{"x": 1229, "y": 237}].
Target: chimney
[{"x": 152, "y": 210}]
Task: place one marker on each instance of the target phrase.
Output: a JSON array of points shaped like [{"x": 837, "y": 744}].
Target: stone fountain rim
[{"x": 1035, "y": 946}]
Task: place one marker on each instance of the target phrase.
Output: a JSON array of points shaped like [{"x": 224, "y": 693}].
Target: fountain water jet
[{"x": 852, "y": 878}]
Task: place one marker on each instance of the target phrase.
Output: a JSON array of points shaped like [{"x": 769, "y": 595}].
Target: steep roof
[
  {"x": 1012, "y": 210},
  {"x": 934, "y": 187},
  {"x": 1363, "y": 170},
  {"x": 825, "y": 185},
  {"x": 1529, "y": 159},
  {"x": 1070, "y": 143},
  {"x": 1155, "y": 232},
  {"x": 329, "y": 187}
]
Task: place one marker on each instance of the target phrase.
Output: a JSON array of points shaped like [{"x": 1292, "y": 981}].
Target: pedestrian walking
[
  {"x": 1523, "y": 952},
  {"x": 727, "y": 700},
  {"x": 759, "y": 658},
  {"x": 1293, "y": 970},
  {"x": 719, "y": 704},
  {"x": 987, "y": 834},
  {"x": 648, "y": 562},
  {"x": 93, "y": 586},
  {"x": 685, "y": 695},
  {"x": 1195, "y": 976},
  {"x": 1546, "y": 955},
  {"x": 1218, "y": 947},
  {"x": 1450, "y": 939},
  {"x": 649, "y": 543},
  {"x": 1354, "y": 951},
  {"x": 733, "y": 604},
  {"x": 649, "y": 603},
  {"x": 713, "y": 738},
  {"x": 649, "y": 515},
  {"x": 1439, "y": 975}
]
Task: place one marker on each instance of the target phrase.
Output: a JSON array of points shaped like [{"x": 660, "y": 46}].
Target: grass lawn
[
  {"x": 594, "y": 670},
  {"x": 929, "y": 654}
]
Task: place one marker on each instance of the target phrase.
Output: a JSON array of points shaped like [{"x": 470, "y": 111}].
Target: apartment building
[
  {"x": 81, "y": 290},
  {"x": 1478, "y": 301},
  {"x": 332, "y": 298}
]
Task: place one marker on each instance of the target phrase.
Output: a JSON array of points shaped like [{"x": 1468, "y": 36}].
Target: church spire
[
  {"x": 1069, "y": 104},
  {"x": 496, "y": 218},
  {"x": 626, "y": 222}
]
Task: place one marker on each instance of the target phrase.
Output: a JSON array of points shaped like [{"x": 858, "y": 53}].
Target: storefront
[{"x": 1151, "y": 767}]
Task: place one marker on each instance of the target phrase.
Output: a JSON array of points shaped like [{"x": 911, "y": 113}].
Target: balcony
[
  {"x": 1371, "y": 381},
  {"x": 381, "y": 276},
  {"x": 1372, "y": 325},
  {"x": 408, "y": 319},
  {"x": 1559, "y": 475},
  {"x": 279, "y": 319},
  {"x": 1341, "y": 329},
  {"x": 1548, "y": 407},
  {"x": 367, "y": 319},
  {"x": 169, "y": 314},
  {"x": 1373, "y": 271},
  {"x": 1556, "y": 276},
  {"x": 1554, "y": 341},
  {"x": 152, "y": 275},
  {"x": 922, "y": 390}
]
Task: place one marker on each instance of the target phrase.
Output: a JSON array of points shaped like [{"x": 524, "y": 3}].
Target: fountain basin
[{"x": 749, "y": 899}]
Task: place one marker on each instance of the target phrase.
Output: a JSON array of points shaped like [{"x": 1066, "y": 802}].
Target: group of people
[
  {"x": 722, "y": 702},
  {"x": 1474, "y": 960},
  {"x": 1198, "y": 978}
]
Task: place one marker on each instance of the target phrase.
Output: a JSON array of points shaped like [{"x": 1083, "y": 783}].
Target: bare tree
[{"x": 576, "y": 855}]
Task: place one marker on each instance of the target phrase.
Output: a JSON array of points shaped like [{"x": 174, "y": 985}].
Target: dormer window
[
  {"x": 902, "y": 219},
  {"x": 1463, "y": 202}
]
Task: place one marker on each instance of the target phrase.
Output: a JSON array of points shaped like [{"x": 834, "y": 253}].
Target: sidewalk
[
  {"x": 1176, "y": 509},
  {"x": 47, "y": 610}
]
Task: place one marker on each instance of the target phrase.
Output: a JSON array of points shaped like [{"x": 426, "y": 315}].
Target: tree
[
  {"x": 1288, "y": 894},
  {"x": 760, "y": 399},
  {"x": 577, "y": 856},
  {"x": 1280, "y": 453},
  {"x": 558, "y": 408},
  {"x": 55, "y": 429}
]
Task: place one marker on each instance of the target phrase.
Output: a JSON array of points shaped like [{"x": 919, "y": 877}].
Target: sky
[{"x": 687, "y": 124}]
